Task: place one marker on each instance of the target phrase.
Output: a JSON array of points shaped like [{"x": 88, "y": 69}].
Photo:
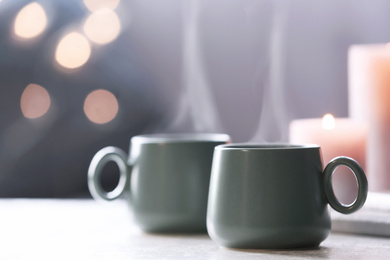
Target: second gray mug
[
  {"x": 274, "y": 196},
  {"x": 166, "y": 177}
]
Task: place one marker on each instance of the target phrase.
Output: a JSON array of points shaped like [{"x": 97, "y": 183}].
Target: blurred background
[{"x": 76, "y": 76}]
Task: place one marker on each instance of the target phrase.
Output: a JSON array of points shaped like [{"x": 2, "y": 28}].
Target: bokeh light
[
  {"x": 30, "y": 21},
  {"x": 101, "y": 106},
  {"x": 73, "y": 51},
  {"x": 35, "y": 101},
  {"x": 102, "y": 26},
  {"x": 94, "y": 5}
]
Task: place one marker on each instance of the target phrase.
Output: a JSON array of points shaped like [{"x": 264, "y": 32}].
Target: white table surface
[{"x": 85, "y": 229}]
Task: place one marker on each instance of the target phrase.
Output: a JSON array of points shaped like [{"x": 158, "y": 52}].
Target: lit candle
[
  {"x": 336, "y": 137},
  {"x": 369, "y": 101}
]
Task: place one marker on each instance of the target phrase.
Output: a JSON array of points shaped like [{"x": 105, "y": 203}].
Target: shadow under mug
[
  {"x": 274, "y": 196},
  {"x": 166, "y": 179}
]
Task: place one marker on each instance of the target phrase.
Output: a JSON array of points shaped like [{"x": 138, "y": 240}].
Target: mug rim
[
  {"x": 180, "y": 138},
  {"x": 266, "y": 146}
]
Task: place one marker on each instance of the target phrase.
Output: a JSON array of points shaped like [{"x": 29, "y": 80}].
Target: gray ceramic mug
[
  {"x": 274, "y": 196},
  {"x": 166, "y": 177}
]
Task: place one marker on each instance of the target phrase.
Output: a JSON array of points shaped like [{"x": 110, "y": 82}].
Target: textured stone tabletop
[{"x": 85, "y": 229}]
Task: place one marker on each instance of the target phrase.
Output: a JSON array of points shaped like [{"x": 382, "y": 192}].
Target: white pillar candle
[
  {"x": 369, "y": 101},
  {"x": 336, "y": 137}
]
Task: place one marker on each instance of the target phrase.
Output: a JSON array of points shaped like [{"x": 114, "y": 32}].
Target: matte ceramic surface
[
  {"x": 272, "y": 196},
  {"x": 166, "y": 179}
]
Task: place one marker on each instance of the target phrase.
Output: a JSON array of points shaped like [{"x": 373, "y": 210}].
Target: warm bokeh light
[
  {"x": 35, "y": 101},
  {"x": 101, "y": 106},
  {"x": 30, "y": 21},
  {"x": 328, "y": 122},
  {"x": 102, "y": 26},
  {"x": 73, "y": 51},
  {"x": 94, "y": 5}
]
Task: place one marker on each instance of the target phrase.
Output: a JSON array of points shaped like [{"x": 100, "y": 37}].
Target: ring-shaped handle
[
  {"x": 100, "y": 159},
  {"x": 361, "y": 181}
]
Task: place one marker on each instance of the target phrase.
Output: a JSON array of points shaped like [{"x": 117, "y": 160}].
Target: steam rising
[
  {"x": 273, "y": 120},
  {"x": 196, "y": 99},
  {"x": 196, "y": 103}
]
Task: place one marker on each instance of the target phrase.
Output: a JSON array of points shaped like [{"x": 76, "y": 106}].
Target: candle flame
[{"x": 328, "y": 122}]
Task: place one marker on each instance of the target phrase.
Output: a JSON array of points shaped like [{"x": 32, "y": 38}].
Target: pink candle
[
  {"x": 369, "y": 101},
  {"x": 336, "y": 137}
]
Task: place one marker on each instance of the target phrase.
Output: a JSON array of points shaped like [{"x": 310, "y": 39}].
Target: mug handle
[
  {"x": 102, "y": 157},
  {"x": 361, "y": 181}
]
